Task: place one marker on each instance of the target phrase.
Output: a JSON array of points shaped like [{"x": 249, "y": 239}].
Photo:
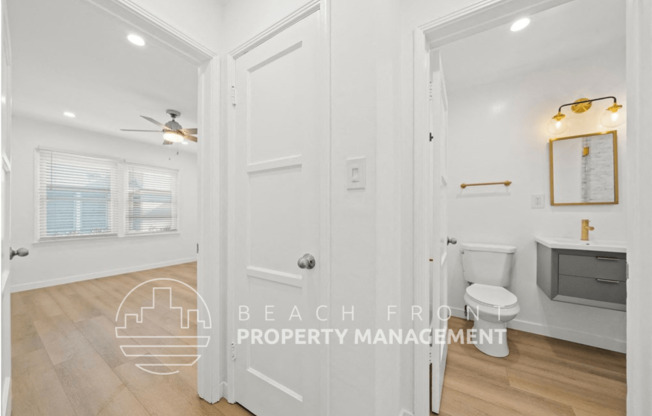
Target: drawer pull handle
[
  {"x": 614, "y": 282},
  {"x": 607, "y": 258}
]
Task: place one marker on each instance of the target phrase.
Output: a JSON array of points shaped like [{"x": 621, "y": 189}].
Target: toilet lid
[{"x": 492, "y": 295}]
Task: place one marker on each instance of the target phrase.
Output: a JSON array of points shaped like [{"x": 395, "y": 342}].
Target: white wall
[
  {"x": 51, "y": 263},
  {"x": 497, "y": 132}
]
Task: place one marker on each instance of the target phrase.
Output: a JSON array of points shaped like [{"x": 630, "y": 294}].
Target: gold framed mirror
[{"x": 584, "y": 169}]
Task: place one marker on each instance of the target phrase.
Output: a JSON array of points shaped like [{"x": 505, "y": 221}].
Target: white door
[
  {"x": 5, "y": 220},
  {"x": 439, "y": 234},
  {"x": 279, "y": 145}
]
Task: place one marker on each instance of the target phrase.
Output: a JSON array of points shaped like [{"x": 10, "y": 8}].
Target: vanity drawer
[
  {"x": 605, "y": 290},
  {"x": 611, "y": 266}
]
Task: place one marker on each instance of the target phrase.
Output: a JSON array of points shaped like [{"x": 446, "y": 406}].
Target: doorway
[
  {"x": 482, "y": 214},
  {"x": 185, "y": 194}
]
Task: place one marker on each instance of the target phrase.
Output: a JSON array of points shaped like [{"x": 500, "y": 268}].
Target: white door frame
[
  {"x": 5, "y": 290},
  {"x": 211, "y": 158},
  {"x": 231, "y": 308},
  {"x": 639, "y": 172}
]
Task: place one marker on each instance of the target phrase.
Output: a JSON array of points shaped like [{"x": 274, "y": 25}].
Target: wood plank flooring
[
  {"x": 541, "y": 377},
  {"x": 66, "y": 361}
]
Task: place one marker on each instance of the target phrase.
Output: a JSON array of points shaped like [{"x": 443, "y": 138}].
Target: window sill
[
  {"x": 102, "y": 237},
  {"x": 76, "y": 239}
]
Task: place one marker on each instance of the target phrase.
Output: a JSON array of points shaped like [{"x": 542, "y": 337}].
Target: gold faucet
[{"x": 585, "y": 230}]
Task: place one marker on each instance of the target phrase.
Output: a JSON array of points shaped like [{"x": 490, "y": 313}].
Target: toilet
[{"x": 488, "y": 269}]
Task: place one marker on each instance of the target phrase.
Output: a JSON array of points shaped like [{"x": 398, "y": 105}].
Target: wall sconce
[{"x": 612, "y": 117}]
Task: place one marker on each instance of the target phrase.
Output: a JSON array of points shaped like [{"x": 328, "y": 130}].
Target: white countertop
[{"x": 571, "y": 244}]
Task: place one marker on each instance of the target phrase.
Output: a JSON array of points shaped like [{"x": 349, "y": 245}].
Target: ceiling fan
[{"x": 172, "y": 131}]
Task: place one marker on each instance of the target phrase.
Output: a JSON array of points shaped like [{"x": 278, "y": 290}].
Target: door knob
[
  {"x": 21, "y": 252},
  {"x": 307, "y": 261},
  {"x": 451, "y": 240}
]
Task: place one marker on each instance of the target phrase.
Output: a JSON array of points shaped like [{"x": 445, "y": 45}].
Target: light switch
[
  {"x": 538, "y": 201},
  {"x": 356, "y": 173}
]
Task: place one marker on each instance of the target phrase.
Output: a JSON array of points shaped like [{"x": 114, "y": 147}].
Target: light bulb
[
  {"x": 613, "y": 116},
  {"x": 520, "y": 24},
  {"x": 172, "y": 136},
  {"x": 557, "y": 124},
  {"x": 136, "y": 40}
]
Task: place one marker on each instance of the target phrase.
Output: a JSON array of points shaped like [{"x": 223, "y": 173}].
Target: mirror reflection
[{"x": 584, "y": 169}]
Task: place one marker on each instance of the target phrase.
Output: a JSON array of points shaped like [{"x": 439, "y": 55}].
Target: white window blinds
[
  {"x": 77, "y": 195},
  {"x": 151, "y": 200}
]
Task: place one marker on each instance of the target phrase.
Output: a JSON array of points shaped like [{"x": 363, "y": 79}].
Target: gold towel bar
[{"x": 506, "y": 183}]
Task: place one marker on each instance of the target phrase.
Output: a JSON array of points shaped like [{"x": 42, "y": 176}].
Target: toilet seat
[{"x": 491, "y": 296}]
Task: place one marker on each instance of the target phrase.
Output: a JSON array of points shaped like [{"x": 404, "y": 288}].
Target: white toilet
[{"x": 488, "y": 269}]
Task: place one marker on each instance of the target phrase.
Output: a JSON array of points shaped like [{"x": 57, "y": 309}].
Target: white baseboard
[
  {"x": 97, "y": 275},
  {"x": 6, "y": 396},
  {"x": 566, "y": 334}
]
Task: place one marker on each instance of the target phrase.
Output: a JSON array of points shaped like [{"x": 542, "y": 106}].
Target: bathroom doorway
[{"x": 501, "y": 85}]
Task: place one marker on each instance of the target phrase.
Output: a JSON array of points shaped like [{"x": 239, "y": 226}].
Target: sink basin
[{"x": 572, "y": 244}]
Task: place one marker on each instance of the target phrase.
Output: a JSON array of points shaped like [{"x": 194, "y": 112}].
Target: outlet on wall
[{"x": 538, "y": 201}]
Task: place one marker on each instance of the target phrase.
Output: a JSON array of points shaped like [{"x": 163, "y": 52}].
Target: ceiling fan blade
[
  {"x": 189, "y": 131},
  {"x": 146, "y": 131},
  {"x": 151, "y": 120},
  {"x": 191, "y": 138},
  {"x": 166, "y": 142}
]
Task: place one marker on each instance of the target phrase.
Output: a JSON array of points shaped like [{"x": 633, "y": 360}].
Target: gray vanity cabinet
[{"x": 593, "y": 278}]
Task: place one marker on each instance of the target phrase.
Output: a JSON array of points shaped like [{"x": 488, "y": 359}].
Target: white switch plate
[
  {"x": 356, "y": 173},
  {"x": 538, "y": 201}
]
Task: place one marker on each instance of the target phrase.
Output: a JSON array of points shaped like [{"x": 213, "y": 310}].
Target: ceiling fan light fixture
[{"x": 173, "y": 136}]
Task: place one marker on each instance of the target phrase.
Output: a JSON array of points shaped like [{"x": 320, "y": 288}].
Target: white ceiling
[
  {"x": 576, "y": 29},
  {"x": 70, "y": 56}
]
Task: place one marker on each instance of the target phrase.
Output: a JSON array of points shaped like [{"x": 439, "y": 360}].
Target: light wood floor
[
  {"x": 66, "y": 359},
  {"x": 540, "y": 377}
]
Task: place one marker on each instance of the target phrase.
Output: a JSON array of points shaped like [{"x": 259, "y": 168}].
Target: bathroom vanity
[{"x": 583, "y": 272}]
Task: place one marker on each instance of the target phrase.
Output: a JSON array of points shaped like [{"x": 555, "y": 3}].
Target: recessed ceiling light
[
  {"x": 69, "y": 114},
  {"x": 520, "y": 24},
  {"x": 136, "y": 40}
]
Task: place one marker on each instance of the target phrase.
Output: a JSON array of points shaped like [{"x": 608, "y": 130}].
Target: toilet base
[{"x": 491, "y": 338}]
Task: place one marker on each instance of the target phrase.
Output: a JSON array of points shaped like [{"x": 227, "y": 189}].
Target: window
[
  {"x": 81, "y": 196},
  {"x": 76, "y": 196},
  {"x": 151, "y": 202}
]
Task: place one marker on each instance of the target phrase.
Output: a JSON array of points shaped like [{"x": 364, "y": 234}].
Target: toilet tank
[{"x": 488, "y": 264}]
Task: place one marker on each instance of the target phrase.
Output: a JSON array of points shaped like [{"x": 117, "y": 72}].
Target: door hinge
[
  {"x": 233, "y": 355},
  {"x": 197, "y": 248},
  {"x": 430, "y": 137},
  {"x": 234, "y": 96}
]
